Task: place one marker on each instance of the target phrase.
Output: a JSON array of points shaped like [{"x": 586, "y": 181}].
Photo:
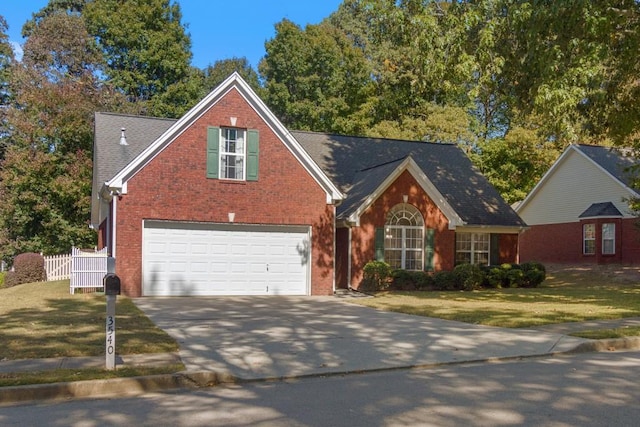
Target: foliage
[
  {"x": 534, "y": 274},
  {"x": 145, "y": 47},
  {"x": 405, "y": 280},
  {"x": 444, "y": 281},
  {"x": 468, "y": 277},
  {"x": 45, "y": 178},
  {"x": 2, "y": 278},
  {"x": 376, "y": 276},
  {"x": 27, "y": 268}
]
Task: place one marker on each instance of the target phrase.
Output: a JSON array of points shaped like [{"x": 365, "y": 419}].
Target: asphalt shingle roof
[
  {"x": 605, "y": 209},
  {"x": 351, "y": 161}
]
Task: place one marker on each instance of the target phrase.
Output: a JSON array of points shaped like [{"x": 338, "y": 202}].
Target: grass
[
  {"x": 41, "y": 320},
  {"x": 599, "y": 334},
  {"x": 68, "y": 375},
  {"x": 572, "y": 295}
]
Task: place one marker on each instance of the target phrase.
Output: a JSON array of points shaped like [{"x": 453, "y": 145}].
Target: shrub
[
  {"x": 534, "y": 274},
  {"x": 405, "y": 280},
  {"x": 377, "y": 275},
  {"x": 2, "y": 274},
  {"x": 27, "y": 268},
  {"x": 468, "y": 277},
  {"x": 444, "y": 281}
]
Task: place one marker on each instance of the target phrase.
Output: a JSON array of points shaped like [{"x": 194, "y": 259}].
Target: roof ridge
[
  {"x": 136, "y": 116},
  {"x": 385, "y": 163},
  {"x": 372, "y": 138}
]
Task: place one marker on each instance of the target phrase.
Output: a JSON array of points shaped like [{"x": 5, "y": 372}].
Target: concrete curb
[
  {"x": 134, "y": 386},
  {"x": 113, "y": 387}
]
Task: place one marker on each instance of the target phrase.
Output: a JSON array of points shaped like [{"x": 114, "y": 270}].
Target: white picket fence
[
  {"x": 88, "y": 268},
  {"x": 58, "y": 267}
]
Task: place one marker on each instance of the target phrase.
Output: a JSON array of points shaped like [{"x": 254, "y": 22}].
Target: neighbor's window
[
  {"x": 232, "y": 153},
  {"x": 589, "y": 239},
  {"x": 404, "y": 238},
  {"x": 608, "y": 239},
  {"x": 472, "y": 248}
]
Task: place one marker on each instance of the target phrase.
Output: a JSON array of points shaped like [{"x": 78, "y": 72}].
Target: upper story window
[{"x": 232, "y": 153}]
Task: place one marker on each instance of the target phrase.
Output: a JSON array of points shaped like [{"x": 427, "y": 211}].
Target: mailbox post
[{"x": 111, "y": 284}]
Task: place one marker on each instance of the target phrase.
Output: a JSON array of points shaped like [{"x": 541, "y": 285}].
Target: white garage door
[{"x": 224, "y": 259}]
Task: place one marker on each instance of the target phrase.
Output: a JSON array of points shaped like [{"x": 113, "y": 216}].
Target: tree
[
  {"x": 146, "y": 49},
  {"x": 315, "y": 79},
  {"x": 6, "y": 58},
  {"x": 45, "y": 177}
]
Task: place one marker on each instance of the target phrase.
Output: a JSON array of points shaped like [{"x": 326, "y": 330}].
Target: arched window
[{"x": 404, "y": 238}]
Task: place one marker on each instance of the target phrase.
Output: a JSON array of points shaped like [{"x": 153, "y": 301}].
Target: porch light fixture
[{"x": 123, "y": 139}]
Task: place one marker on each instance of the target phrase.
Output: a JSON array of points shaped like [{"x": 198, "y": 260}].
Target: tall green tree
[
  {"x": 6, "y": 58},
  {"x": 315, "y": 79},
  {"x": 45, "y": 177},
  {"x": 146, "y": 48}
]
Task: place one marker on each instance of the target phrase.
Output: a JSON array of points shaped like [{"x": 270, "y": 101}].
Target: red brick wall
[
  {"x": 562, "y": 243},
  {"x": 173, "y": 186},
  {"x": 363, "y": 237}
]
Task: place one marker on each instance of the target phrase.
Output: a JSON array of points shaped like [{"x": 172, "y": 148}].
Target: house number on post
[{"x": 111, "y": 290}]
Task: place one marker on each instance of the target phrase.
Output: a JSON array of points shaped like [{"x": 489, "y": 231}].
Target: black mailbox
[{"x": 111, "y": 284}]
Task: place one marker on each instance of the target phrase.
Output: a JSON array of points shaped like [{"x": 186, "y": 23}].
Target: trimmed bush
[
  {"x": 444, "y": 281},
  {"x": 2, "y": 274},
  {"x": 27, "y": 268},
  {"x": 405, "y": 280},
  {"x": 534, "y": 274},
  {"x": 468, "y": 277},
  {"x": 376, "y": 276}
]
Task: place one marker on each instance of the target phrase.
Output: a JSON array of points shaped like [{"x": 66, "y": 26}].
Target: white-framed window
[
  {"x": 589, "y": 239},
  {"x": 608, "y": 238},
  {"x": 404, "y": 238},
  {"x": 232, "y": 153},
  {"x": 472, "y": 248}
]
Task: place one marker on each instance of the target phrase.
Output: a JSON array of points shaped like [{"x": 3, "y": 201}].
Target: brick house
[
  {"x": 579, "y": 211},
  {"x": 227, "y": 201}
]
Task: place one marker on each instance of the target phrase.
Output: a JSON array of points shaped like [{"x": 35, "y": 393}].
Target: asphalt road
[{"x": 590, "y": 389}]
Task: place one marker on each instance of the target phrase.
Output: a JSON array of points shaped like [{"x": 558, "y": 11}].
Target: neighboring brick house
[
  {"x": 227, "y": 201},
  {"x": 579, "y": 211}
]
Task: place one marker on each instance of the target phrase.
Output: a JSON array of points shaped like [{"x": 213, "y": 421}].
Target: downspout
[
  {"x": 349, "y": 258},
  {"x": 334, "y": 248},
  {"x": 114, "y": 210}
]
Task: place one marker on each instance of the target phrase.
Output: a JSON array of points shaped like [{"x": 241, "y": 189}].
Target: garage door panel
[{"x": 222, "y": 259}]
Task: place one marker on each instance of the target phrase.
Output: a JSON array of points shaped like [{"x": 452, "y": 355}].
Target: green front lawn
[
  {"x": 40, "y": 320},
  {"x": 566, "y": 296}
]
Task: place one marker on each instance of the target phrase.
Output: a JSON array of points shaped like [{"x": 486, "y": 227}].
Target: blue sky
[{"x": 210, "y": 23}]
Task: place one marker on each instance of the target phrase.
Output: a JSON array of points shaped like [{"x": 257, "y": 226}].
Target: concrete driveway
[{"x": 276, "y": 337}]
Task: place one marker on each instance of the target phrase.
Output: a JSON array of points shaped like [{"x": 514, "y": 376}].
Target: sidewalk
[{"x": 449, "y": 349}]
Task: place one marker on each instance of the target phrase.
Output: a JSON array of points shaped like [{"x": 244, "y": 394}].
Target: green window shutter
[
  {"x": 379, "y": 244},
  {"x": 429, "y": 248},
  {"x": 253, "y": 151},
  {"x": 494, "y": 249},
  {"x": 213, "y": 152}
]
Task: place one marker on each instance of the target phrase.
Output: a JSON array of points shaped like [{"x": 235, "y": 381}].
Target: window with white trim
[
  {"x": 404, "y": 238},
  {"x": 232, "y": 153},
  {"x": 608, "y": 238},
  {"x": 589, "y": 239},
  {"x": 472, "y": 248}
]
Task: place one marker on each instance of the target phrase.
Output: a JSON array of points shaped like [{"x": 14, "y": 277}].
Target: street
[{"x": 591, "y": 389}]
